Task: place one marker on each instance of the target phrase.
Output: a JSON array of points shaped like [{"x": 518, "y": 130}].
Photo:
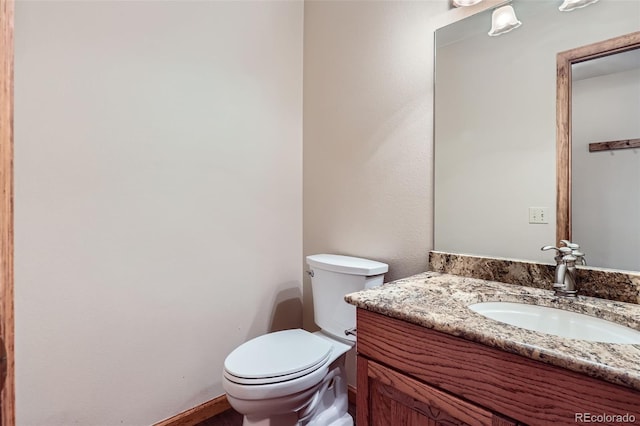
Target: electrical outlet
[{"x": 538, "y": 214}]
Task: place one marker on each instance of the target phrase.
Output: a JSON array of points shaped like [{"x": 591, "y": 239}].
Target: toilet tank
[{"x": 332, "y": 277}]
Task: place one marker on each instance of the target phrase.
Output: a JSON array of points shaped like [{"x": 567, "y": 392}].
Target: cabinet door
[{"x": 394, "y": 399}]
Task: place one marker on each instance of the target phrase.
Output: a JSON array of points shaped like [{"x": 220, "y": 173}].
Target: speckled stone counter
[
  {"x": 439, "y": 301},
  {"x": 623, "y": 286}
]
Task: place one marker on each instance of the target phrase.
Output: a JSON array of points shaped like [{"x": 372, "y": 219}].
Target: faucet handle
[
  {"x": 560, "y": 252},
  {"x": 572, "y": 246},
  {"x": 575, "y": 250},
  {"x": 580, "y": 257}
]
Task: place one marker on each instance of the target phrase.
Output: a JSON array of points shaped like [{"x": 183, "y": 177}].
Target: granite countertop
[{"x": 439, "y": 301}]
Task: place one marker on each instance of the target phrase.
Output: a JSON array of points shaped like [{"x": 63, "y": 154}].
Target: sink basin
[{"x": 557, "y": 322}]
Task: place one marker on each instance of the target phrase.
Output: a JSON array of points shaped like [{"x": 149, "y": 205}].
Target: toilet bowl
[
  {"x": 294, "y": 377},
  {"x": 300, "y": 371}
]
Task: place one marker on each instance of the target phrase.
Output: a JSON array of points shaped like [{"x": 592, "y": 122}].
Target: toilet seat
[{"x": 277, "y": 357}]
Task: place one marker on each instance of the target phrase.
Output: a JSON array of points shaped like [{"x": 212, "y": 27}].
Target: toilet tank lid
[{"x": 347, "y": 264}]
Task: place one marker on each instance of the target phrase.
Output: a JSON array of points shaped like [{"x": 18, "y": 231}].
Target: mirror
[
  {"x": 495, "y": 125},
  {"x": 598, "y": 157}
]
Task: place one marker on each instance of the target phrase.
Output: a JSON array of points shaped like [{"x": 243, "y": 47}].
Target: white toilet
[{"x": 294, "y": 377}]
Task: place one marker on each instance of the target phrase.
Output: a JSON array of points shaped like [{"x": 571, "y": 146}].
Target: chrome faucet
[
  {"x": 566, "y": 259},
  {"x": 565, "y": 284}
]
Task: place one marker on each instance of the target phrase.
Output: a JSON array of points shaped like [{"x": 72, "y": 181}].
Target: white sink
[{"x": 557, "y": 322}]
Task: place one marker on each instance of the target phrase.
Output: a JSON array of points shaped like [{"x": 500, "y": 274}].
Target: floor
[
  {"x": 232, "y": 418},
  {"x": 228, "y": 418}
]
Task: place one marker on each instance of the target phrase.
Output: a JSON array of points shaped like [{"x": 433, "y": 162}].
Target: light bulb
[
  {"x": 569, "y": 5},
  {"x": 463, "y": 3},
  {"x": 503, "y": 20}
]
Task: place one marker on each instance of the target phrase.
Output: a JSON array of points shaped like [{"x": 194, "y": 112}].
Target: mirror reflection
[
  {"x": 605, "y": 154},
  {"x": 495, "y": 130}
]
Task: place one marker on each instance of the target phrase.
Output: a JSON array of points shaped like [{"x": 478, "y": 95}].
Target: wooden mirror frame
[
  {"x": 7, "y": 379},
  {"x": 564, "y": 61}
]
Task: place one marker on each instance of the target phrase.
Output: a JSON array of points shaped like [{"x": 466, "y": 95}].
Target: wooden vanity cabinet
[{"x": 410, "y": 375}]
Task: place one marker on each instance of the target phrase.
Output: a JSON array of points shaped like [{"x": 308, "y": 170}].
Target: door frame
[
  {"x": 564, "y": 60},
  {"x": 7, "y": 394}
]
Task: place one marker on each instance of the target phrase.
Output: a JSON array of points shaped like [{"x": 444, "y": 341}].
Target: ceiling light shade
[
  {"x": 503, "y": 20},
  {"x": 569, "y": 5},
  {"x": 462, "y": 3}
]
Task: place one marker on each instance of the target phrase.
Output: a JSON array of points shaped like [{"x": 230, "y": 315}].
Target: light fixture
[
  {"x": 463, "y": 3},
  {"x": 569, "y": 5},
  {"x": 503, "y": 20}
]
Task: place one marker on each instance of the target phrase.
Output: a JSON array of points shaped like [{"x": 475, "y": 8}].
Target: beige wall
[
  {"x": 368, "y": 111},
  {"x": 158, "y": 200},
  {"x": 159, "y": 197}
]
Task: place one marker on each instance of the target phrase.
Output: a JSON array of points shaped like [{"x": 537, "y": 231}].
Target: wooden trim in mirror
[
  {"x": 563, "y": 118},
  {"x": 7, "y": 392}
]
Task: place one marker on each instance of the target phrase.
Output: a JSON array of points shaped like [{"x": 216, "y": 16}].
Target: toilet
[{"x": 294, "y": 377}]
